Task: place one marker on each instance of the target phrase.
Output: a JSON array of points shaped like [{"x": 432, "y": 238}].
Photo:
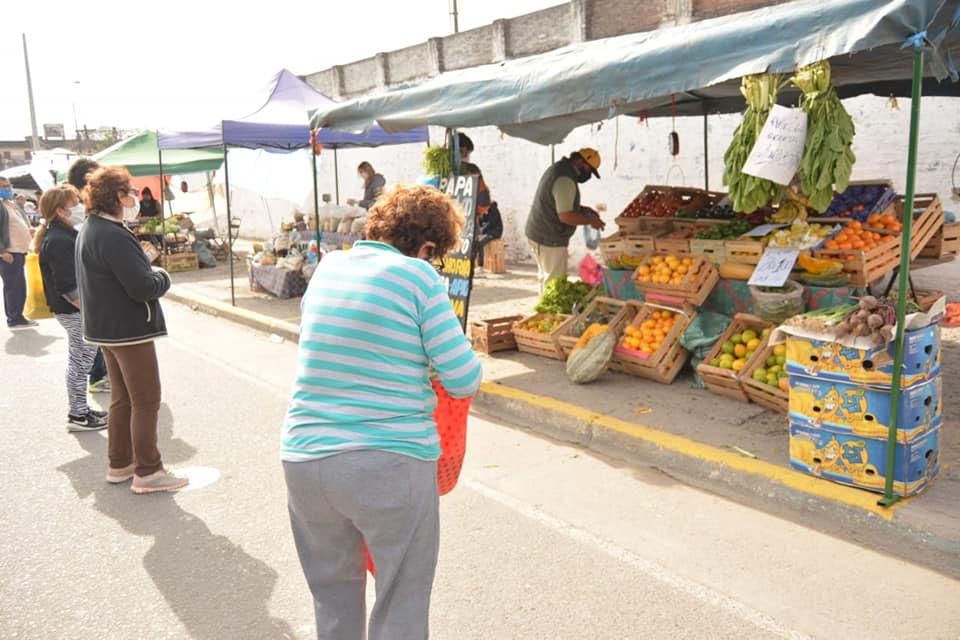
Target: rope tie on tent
[{"x": 941, "y": 60}]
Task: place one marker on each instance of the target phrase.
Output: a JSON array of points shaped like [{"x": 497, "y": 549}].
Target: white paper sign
[
  {"x": 763, "y": 230},
  {"x": 779, "y": 148},
  {"x": 774, "y": 267}
]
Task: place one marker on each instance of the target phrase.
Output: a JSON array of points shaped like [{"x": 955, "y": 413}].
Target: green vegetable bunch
[
  {"x": 728, "y": 231},
  {"x": 560, "y": 295},
  {"x": 437, "y": 161},
  {"x": 827, "y": 157},
  {"x": 750, "y": 193}
]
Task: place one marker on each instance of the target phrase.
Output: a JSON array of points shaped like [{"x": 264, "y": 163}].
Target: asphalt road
[{"x": 538, "y": 541}]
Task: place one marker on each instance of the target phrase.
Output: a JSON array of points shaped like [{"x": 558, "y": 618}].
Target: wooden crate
[
  {"x": 616, "y": 315},
  {"x": 684, "y": 199},
  {"x": 866, "y": 267},
  {"x": 494, "y": 334},
  {"x": 174, "y": 262},
  {"x": 611, "y": 248},
  {"x": 713, "y": 250},
  {"x": 634, "y": 247},
  {"x": 927, "y": 220},
  {"x": 495, "y": 257},
  {"x": 664, "y": 365},
  {"x": 540, "y": 344},
  {"x": 695, "y": 288},
  {"x": 773, "y": 398},
  {"x": 944, "y": 243},
  {"x": 726, "y": 382},
  {"x": 744, "y": 251}
]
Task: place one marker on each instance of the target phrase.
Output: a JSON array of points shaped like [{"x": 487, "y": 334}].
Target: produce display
[
  {"x": 669, "y": 270},
  {"x": 715, "y": 212},
  {"x": 800, "y": 234},
  {"x": 156, "y": 225},
  {"x": 855, "y": 236},
  {"x": 728, "y": 231},
  {"x": 655, "y": 203},
  {"x": 886, "y": 222},
  {"x": 592, "y": 331},
  {"x": 821, "y": 272},
  {"x": 749, "y": 193},
  {"x": 773, "y": 372},
  {"x": 871, "y": 317},
  {"x": 828, "y": 155},
  {"x": 544, "y": 323},
  {"x": 649, "y": 336},
  {"x": 735, "y": 352},
  {"x": 859, "y": 201},
  {"x": 560, "y": 295}
]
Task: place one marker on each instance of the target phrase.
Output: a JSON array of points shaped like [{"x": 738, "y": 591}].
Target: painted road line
[{"x": 700, "y": 451}]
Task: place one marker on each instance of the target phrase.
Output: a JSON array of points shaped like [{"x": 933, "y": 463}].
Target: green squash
[{"x": 588, "y": 363}]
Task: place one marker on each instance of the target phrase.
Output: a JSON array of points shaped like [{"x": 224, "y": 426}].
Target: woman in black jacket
[
  {"x": 120, "y": 302},
  {"x": 56, "y": 243}
]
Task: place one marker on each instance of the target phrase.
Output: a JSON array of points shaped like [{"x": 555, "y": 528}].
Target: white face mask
[{"x": 77, "y": 215}]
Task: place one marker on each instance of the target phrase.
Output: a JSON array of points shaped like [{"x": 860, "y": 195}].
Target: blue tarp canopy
[
  {"x": 543, "y": 98},
  {"x": 283, "y": 123}
]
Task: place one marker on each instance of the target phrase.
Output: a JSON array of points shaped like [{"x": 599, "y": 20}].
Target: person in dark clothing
[
  {"x": 148, "y": 204},
  {"x": 373, "y": 184},
  {"x": 489, "y": 221},
  {"x": 77, "y": 176},
  {"x": 56, "y": 242}
]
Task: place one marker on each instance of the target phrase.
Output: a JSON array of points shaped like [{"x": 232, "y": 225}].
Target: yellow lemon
[
  {"x": 738, "y": 365},
  {"x": 753, "y": 345}
]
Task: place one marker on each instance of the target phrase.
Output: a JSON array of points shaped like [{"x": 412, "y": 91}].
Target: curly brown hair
[
  {"x": 407, "y": 217},
  {"x": 102, "y": 188}
]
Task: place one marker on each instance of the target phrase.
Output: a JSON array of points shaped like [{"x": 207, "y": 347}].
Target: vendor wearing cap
[{"x": 556, "y": 212}]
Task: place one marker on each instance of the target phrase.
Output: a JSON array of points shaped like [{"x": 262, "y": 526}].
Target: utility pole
[
  {"x": 455, "y": 16},
  {"x": 76, "y": 127},
  {"x": 33, "y": 113}
]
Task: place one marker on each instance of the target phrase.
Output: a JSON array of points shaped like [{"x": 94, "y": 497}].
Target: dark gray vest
[{"x": 543, "y": 225}]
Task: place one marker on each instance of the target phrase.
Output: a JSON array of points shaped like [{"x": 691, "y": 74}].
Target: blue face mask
[{"x": 6, "y": 193}]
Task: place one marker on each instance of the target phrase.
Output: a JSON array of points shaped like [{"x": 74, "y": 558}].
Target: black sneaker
[
  {"x": 99, "y": 414},
  {"x": 26, "y": 324},
  {"x": 88, "y": 422}
]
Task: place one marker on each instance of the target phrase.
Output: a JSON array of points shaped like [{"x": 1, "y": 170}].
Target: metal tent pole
[
  {"x": 888, "y": 497},
  {"x": 336, "y": 177},
  {"x": 316, "y": 198},
  {"x": 226, "y": 180},
  {"x": 706, "y": 152},
  {"x": 163, "y": 197}
]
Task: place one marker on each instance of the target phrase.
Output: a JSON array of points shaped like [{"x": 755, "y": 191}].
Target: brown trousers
[{"x": 134, "y": 407}]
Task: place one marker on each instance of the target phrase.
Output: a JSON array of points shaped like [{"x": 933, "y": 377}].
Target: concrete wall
[{"x": 638, "y": 156}]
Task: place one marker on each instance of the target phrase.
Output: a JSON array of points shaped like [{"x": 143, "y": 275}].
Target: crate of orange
[
  {"x": 601, "y": 310},
  {"x": 650, "y": 344},
  {"x": 867, "y": 253},
  {"x": 737, "y": 350},
  {"x": 676, "y": 280},
  {"x": 927, "y": 221}
]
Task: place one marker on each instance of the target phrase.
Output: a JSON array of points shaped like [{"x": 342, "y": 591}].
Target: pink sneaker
[
  {"x": 118, "y": 476},
  {"x": 162, "y": 480}
]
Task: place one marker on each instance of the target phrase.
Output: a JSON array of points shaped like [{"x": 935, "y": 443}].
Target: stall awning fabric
[
  {"x": 140, "y": 156},
  {"x": 542, "y": 98},
  {"x": 282, "y": 123}
]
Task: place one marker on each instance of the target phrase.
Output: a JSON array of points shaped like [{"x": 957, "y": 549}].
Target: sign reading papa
[{"x": 457, "y": 266}]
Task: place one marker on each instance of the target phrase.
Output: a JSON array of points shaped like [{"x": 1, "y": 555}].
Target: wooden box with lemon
[
  {"x": 739, "y": 348},
  {"x": 765, "y": 380}
]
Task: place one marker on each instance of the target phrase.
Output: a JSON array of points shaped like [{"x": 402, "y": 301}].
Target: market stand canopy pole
[{"x": 543, "y": 98}]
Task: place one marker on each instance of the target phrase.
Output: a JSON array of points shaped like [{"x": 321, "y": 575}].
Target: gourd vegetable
[{"x": 588, "y": 363}]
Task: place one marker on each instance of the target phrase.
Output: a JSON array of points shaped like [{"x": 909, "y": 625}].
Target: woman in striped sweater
[{"x": 359, "y": 442}]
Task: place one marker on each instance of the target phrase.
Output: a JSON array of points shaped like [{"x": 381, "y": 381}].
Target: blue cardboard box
[
  {"x": 861, "y": 462},
  {"x": 832, "y": 361},
  {"x": 864, "y": 411}
]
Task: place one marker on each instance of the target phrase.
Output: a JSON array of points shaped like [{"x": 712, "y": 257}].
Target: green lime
[
  {"x": 772, "y": 360},
  {"x": 781, "y": 360},
  {"x": 760, "y": 375},
  {"x": 715, "y": 362},
  {"x": 727, "y": 347},
  {"x": 737, "y": 339}
]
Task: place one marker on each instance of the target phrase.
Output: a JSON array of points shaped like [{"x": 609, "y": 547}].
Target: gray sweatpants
[{"x": 391, "y": 502}]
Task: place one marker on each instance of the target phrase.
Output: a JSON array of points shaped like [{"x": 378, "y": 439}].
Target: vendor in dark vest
[{"x": 556, "y": 212}]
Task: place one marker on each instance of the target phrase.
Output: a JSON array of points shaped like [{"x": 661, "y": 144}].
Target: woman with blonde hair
[
  {"x": 360, "y": 445},
  {"x": 56, "y": 242}
]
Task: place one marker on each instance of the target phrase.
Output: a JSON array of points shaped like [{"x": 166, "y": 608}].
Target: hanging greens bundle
[
  {"x": 827, "y": 157},
  {"x": 749, "y": 193},
  {"x": 437, "y": 161}
]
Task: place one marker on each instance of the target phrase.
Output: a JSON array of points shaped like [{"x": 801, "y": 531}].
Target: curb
[{"x": 287, "y": 330}]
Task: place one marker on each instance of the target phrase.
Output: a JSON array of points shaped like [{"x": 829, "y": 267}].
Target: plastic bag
[
  {"x": 777, "y": 307},
  {"x": 590, "y": 272},
  {"x": 699, "y": 338},
  {"x": 36, "y": 306}
]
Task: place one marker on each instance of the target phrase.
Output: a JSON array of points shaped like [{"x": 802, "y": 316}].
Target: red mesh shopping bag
[{"x": 451, "y": 418}]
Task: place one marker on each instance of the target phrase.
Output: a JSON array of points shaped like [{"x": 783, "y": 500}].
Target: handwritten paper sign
[
  {"x": 763, "y": 230},
  {"x": 777, "y": 153},
  {"x": 774, "y": 267},
  {"x": 457, "y": 266}
]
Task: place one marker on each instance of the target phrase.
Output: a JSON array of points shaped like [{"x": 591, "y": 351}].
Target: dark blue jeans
[
  {"x": 14, "y": 288},
  {"x": 99, "y": 370}
]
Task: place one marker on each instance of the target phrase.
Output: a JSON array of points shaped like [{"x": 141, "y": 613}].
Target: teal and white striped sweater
[{"x": 374, "y": 323}]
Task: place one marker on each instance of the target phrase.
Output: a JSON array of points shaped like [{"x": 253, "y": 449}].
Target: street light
[{"x": 76, "y": 127}]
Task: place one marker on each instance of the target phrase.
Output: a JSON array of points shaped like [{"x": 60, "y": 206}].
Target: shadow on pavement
[
  {"x": 27, "y": 342},
  {"x": 216, "y": 589}
]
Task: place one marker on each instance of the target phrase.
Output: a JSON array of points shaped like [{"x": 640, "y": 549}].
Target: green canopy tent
[{"x": 142, "y": 157}]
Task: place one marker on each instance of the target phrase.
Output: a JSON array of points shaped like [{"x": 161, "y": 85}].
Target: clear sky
[{"x": 179, "y": 63}]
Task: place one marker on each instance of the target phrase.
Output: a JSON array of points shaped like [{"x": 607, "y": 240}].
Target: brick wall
[
  {"x": 541, "y": 31},
  {"x": 713, "y": 8},
  {"x": 467, "y": 48},
  {"x": 407, "y": 64},
  {"x": 360, "y": 77},
  {"x": 608, "y": 18}
]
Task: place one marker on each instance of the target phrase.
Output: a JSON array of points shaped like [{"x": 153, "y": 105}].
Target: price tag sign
[
  {"x": 774, "y": 267},
  {"x": 779, "y": 148},
  {"x": 763, "y": 230}
]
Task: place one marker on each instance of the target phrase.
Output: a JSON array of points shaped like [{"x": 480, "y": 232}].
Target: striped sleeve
[{"x": 447, "y": 348}]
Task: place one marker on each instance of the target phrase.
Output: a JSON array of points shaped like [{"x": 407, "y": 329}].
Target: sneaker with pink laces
[{"x": 162, "y": 480}]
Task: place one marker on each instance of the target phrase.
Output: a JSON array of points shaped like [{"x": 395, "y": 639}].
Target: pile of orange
[
  {"x": 855, "y": 236},
  {"x": 888, "y": 222},
  {"x": 669, "y": 270},
  {"x": 648, "y": 336}
]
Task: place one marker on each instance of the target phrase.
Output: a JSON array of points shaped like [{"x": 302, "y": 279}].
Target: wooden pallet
[
  {"x": 744, "y": 251},
  {"x": 616, "y": 315},
  {"x": 726, "y": 382},
  {"x": 944, "y": 243},
  {"x": 184, "y": 261},
  {"x": 537, "y": 343},
  {"x": 713, "y": 250},
  {"x": 695, "y": 288},
  {"x": 866, "y": 267},
  {"x": 927, "y": 220},
  {"x": 493, "y": 335},
  {"x": 773, "y": 398},
  {"x": 664, "y": 365}
]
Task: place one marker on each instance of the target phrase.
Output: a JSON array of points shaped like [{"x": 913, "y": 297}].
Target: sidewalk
[{"x": 686, "y": 432}]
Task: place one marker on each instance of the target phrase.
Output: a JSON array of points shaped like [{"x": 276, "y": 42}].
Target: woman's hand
[{"x": 7, "y": 257}]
